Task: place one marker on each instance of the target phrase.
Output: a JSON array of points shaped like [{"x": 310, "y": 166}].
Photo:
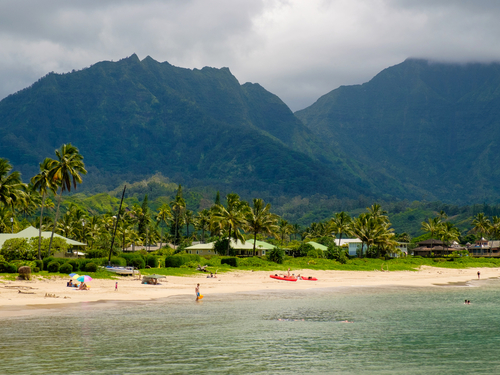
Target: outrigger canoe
[
  {"x": 309, "y": 278},
  {"x": 286, "y": 278}
]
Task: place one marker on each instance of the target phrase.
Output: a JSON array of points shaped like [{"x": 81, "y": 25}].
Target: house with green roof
[{"x": 31, "y": 232}]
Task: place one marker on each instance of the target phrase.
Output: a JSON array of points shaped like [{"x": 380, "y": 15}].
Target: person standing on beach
[
  {"x": 197, "y": 291},
  {"x": 478, "y": 275},
  {"x": 116, "y": 286}
]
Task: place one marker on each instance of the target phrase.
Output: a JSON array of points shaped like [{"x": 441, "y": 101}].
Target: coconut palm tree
[
  {"x": 43, "y": 183},
  {"x": 341, "y": 224},
  {"x": 260, "y": 220},
  {"x": 202, "y": 222},
  {"x": 372, "y": 231},
  {"x": 432, "y": 226},
  {"x": 66, "y": 172},
  {"x": 284, "y": 229},
  {"x": 178, "y": 207},
  {"x": 481, "y": 224},
  {"x": 232, "y": 218},
  {"x": 448, "y": 233},
  {"x": 188, "y": 220},
  {"x": 11, "y": 187}
]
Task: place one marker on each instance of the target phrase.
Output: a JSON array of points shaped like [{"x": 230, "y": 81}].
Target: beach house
[
  {"x": 30, "y": 232},
  {"x": 241, "y": 249}
]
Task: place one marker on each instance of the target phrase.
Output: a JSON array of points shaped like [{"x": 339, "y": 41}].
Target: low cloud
[{"x": 298, "y": 50}]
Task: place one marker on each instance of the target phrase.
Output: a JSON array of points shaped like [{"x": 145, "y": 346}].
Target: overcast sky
[{"x": 296, "y": 49}]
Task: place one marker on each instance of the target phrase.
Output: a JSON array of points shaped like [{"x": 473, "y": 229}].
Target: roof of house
[
  {"x": 318, "y": 246},
  {"x": 33, "y": 232},
  {"x": 431, "y": 241}
]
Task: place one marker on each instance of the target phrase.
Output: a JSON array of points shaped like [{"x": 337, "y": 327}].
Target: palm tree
[
  {"x": 260, "y": 220},
  {"x": 232, "y": 218},
  {"x": 341, "y": 224},
  {"x": 296, "y": 230},
  {"x": 495, "y": 227},
  {"x": 283, "y": 229},
  {"x": 164, "y": 215},
  {"x": 188, "y": 220},
  {"x": 431, "y": 226},
  {"x": 178, "y": 206},
  {"x": 43, "y": 183},
  {"x": 372, "y": 231},
  {"x": 65, "y": 171},
  {"x": 202, "y": 222},
  {"x": 481, "y": 224},
  {"x": 448, "y": 233},
  {"x": 11, "y": 187}
]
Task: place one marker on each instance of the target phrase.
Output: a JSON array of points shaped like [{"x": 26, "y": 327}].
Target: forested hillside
[
  {"x": 131, "y": 119},
  {"x": 434, "y": 127}
]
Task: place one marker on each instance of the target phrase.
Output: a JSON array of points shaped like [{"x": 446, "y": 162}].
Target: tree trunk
[
  {"x": 254, "y": 241},
  {"x": 40, "y": 230},
  {"x": 55, "y": 221}
]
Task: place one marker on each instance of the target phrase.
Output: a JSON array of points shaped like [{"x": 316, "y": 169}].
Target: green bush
[
  {"x": 276, "y": 255},
  {"x": 343, "y": 257},
  {"x": 66, "y": 268},
  {"x": 315, "y": 253},
  {"x": 7, "y": 267},
  {"x": 46, "y": 261},
  {"x": 233, "y": 262},
  {"x": 152, "y": 261},
  {"x": 91, "y": 267},
  {"x": 251, "y": 262},
  {"x": 178, "y": 260},
  {"x": 36, "y": 269},
  {"x": 82, "y": 263},
  {"x": 117, "y": 261},
  {"x": 303, "y": 249},
  {"x": 173, "y": 261},
  {"x": 53, "y": 266},
  {"x": 129, "y": 257},
  {"x": 38, "y": 264},
  {"x": 138, "y": 263},
  {"x": 74, "y": 263}
]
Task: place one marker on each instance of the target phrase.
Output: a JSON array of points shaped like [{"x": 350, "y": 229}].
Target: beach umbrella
[
  {"x": 84, "y": 279},
  {"x": 74, "y": 275}
]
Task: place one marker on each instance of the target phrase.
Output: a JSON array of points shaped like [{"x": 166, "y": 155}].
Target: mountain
[
  {"x": 434, "y": 127},
  {"x": 131, "y": 119}
]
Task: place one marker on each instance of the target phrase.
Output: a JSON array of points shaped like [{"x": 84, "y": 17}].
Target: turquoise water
[{"x": 394, "y": 331}]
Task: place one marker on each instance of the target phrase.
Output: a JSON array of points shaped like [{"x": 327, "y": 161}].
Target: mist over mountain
[{"x": 433, "y": 127}]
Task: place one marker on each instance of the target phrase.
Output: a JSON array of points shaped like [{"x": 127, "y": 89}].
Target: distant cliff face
[
  {"x": 132, "y": 118},
  {"x": 433, "y": 127}
]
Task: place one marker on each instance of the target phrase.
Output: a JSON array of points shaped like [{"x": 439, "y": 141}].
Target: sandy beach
[{"x": 20, "y": 297}]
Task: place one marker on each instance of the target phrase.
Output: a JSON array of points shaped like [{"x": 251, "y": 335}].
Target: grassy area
[{"x": 258, "y": 264}]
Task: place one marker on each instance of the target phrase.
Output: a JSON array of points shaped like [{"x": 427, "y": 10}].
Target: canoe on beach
[{"x": 286, "y": 278}]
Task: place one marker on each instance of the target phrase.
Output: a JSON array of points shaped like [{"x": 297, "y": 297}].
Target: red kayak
[
  {"x": 286, "y": 278},
  {"x": 309, "y": 278}
]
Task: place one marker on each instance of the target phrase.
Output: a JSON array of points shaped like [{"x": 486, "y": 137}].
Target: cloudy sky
[{"x": 297, "y": 49}]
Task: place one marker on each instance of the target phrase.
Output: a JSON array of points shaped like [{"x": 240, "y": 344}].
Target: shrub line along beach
[{"x": 25, "y": 297}]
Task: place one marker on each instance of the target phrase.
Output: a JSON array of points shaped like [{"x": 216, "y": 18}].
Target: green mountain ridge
[
  {"x": 434, "y": 127},
  {"x": 131, "y": 119}
]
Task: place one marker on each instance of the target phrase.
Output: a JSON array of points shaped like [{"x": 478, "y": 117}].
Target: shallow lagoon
[{"x": 394, "y": 331}]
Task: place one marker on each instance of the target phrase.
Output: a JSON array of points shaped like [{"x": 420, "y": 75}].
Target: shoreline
[{"x": 24, "y": 298}]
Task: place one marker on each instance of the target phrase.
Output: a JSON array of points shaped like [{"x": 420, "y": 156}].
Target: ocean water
[{"x": 393, "y": 331}]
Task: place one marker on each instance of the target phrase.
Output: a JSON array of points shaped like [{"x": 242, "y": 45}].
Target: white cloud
[{"x": 299, "y": 50}]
